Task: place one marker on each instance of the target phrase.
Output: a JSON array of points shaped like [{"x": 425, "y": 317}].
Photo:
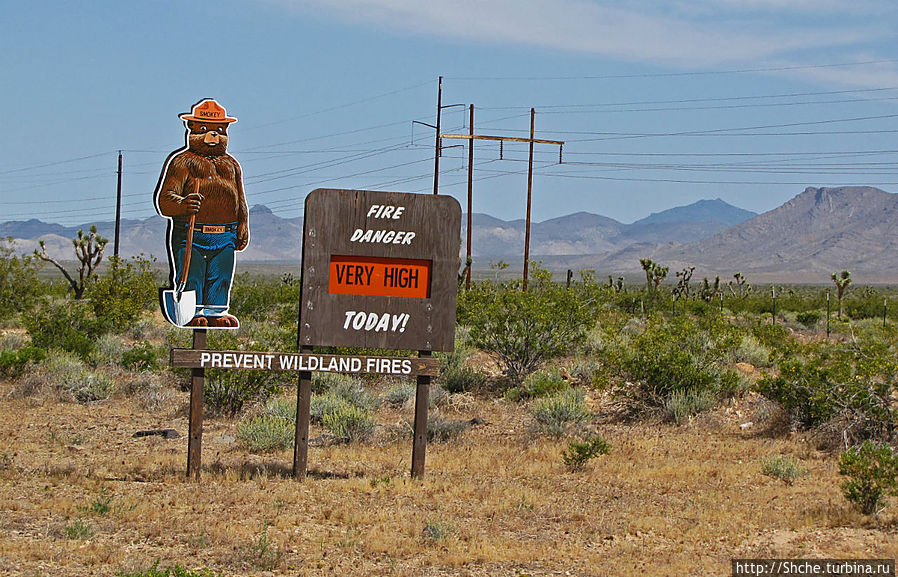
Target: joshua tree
[
  {"x": 740, "y": 282},
  {"x": 616, "y": 285},
  {"x": 89, "y": 251},
  {"x": 709, "y": 290},
  {"x": 683, "y": 277},
  {"x": 654, "y": 273},
  {"x": 841, "y": 280}
]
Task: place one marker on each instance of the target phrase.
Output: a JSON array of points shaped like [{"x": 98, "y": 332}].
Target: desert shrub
[
  {"x": 93, "y": 386},
  {"x": 539, "y": 384},
  {"x": 19, "y": 285},
  {"x": 871, "y": 472},
  {"x": 148, "y": 389},
  {"x": 15, "y": 363},
  {"x": 441, "y": 430},
  {"x": 122, "y": 293},
  {"x": 323, "y": 382},
  {"x": 349, "y": 424},
  {"x": 281, "y": 408},
  {"x": 455, "y": 376},
  {"x": 143, "y": 357},
  {"x": 750, "y": 350},
  {"x": 173, "y": 571},
  {"x": 399, "y": 394},
  {"x": 684, "y": 403},
  {"x": 671, "y": 356},
  {"x": 353, "y": 391},
  {"x": 783, "y": 467},
  {"x": 808, "y": 318},
  {"x": 266, "y": 433},
  {"x": 64, "y": 324},
  {"x": 12, "y": 341},
  {"x": 326, "y": 404},
  {"x": 108, "y": 350},
  {"x": 557, "y": 414},
  {"x": 853, "y": 382},
  {"x": 578, "y": 453},
  {"x": 778, "y": 340},
  {"x": 524, "y": 329},
  {"x": 70, "y": 376},
  {"x": 262, "y": 298},
  {"x": 227, "y": 392}
]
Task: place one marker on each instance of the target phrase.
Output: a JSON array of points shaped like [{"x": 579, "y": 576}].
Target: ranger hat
[{"x": 208, "y": 110}]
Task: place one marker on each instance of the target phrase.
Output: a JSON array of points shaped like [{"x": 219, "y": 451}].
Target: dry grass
[{"x": 667, "y": 500}]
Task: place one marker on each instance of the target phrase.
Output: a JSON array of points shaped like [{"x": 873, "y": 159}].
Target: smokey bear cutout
[{"x": 200, "y": 192}]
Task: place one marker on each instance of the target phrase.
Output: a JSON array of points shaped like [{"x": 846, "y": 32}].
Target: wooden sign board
[
  {"x": 298, "y": 362},
  {"x": 379, "y": 270}
]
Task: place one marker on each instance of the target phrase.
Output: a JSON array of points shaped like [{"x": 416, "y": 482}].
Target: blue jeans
[{"x": 211, "y": 267}]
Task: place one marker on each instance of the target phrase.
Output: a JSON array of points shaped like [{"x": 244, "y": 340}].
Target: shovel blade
[{"x": 179, "y": 311}]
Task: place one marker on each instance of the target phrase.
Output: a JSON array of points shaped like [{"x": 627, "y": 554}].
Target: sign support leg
[
  {"x": 303, "y": 404},
  {"x": 422, "y": 397},
  {"x": 195, "y": 439}
]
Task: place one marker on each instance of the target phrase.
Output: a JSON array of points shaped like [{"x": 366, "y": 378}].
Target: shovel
[{"x": 180, "y": 304}]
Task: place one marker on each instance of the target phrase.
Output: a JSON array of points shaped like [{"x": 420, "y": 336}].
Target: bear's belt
[{"x": 213, "y": 228}]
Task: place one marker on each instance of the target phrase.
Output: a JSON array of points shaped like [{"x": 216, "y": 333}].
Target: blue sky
[{"x": 660, "y": 103}]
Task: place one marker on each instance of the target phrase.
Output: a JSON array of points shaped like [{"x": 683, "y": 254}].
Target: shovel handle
[{"x": 182, "y": 280}]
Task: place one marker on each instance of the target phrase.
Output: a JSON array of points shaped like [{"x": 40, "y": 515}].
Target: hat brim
[{"x": 190, "y": 116}]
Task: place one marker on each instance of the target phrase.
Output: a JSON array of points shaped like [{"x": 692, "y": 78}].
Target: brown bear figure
[{"x": 202, "y": 179}]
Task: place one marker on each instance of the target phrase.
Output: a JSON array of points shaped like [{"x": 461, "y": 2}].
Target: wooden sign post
[{"x": 379, "y": 272}]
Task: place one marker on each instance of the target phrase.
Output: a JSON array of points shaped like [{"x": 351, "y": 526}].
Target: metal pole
[
  {"x": 470, "y": 200},
  {"x": 529, "y": 194},
  {"x": 195, "y": 425},
  {"x": 436, "y": 156},
  {"x": 774, "y": 304},
  {"x": 827, "y": 314},
  {"x": 118, "y": 206}
]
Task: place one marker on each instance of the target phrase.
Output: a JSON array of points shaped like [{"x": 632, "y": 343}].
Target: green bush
[
  {"x": 872, "y": 475},
  {"x": 64, "y": 324},
  {"x": 143, "y": 357},
  {"x": 578, "y": 453},
  {"x": 671, "y": 356},
  {"x": 19, "y": 285},
  {"x": 808, "y": 318},
  {"x": 784, "y": 467},
  {"x": 15, "y": 363},
  {"x": 122, "y": 293},
  {"x": 399, "y": 395},
  {"x": 227, "y": 392},
  {"x": 349, "y": 424},
  {"x": 684, "y": 403},
  {"x": 524, "y": 329},
  {"x": 440, "y": 430},
  {"x": 267, "y": 433},
  {"x": 558, "y": 413},
  {"x": 108, "y": 350}
]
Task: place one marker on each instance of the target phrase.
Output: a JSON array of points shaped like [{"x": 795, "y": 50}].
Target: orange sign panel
[{"x": 377, "y": 276}]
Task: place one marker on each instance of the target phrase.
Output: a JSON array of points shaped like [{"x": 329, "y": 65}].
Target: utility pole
[
  {"x": 470, "y": 200},
  {"x": 529, "y": 196},
  {"x": 118, "y": 206},
  {"x": 436, "y": 156},
  {"x": 438, "y": 145},
  {"x": 472, "y": 137}
]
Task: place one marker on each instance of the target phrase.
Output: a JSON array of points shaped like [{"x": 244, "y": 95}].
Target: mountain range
[{"x": 819, "y": 231}]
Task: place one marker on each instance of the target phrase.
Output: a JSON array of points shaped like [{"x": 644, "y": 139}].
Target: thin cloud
[{"x": 674, "y": 33}]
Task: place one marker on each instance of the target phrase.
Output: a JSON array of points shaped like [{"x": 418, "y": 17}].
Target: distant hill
[
  {"x": 586, "y": 233},
  {"x": 819, "y": 231},
  {"x": 816, "y": 233}
]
